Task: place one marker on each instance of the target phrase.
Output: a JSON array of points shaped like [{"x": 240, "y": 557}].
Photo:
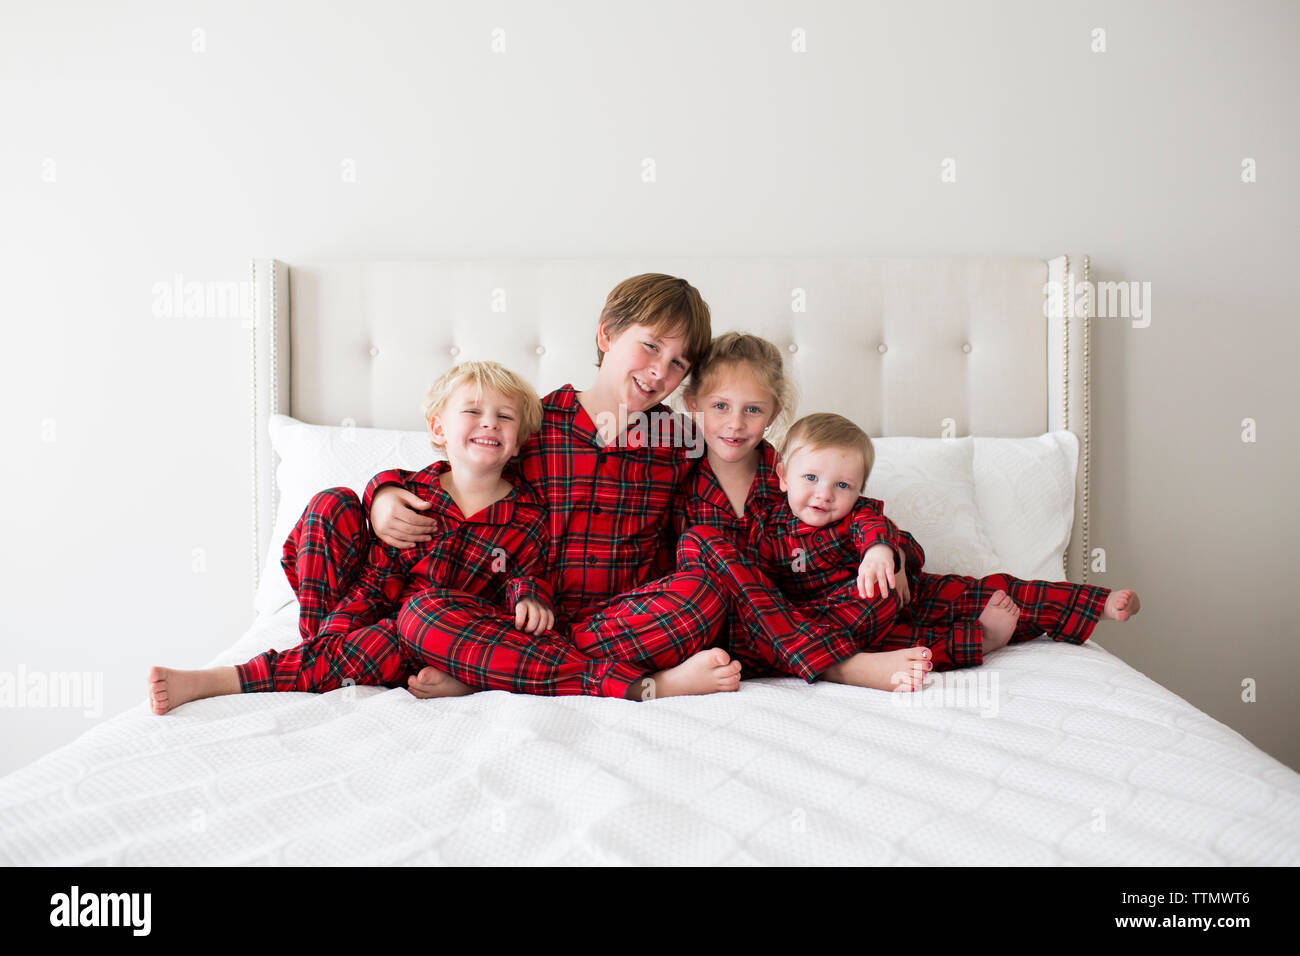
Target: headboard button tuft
[
  {"x": 966, "y": 348},
  {"x": 374, "y": 350},
  {"x": 882, "y": 348}
]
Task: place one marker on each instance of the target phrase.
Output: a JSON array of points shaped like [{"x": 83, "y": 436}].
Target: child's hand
[
  {"x": 396, "y": 520},
  {"x": 877, "y": 569},
  {"x": 532, "y": 617}
]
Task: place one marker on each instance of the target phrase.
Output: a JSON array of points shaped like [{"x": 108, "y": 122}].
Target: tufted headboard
[{"x": 925, "y": 347}]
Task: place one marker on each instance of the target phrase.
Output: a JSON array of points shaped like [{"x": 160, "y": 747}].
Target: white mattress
[{"x": 1086, "y": 762}]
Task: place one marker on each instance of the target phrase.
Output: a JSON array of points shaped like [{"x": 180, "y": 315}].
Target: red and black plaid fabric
[
  {"x": 701, "y": 499},
  {"x": 475, "y": 642},
  {"x": 944, "y": 611},
  {"x": 324, "y": 553},
  {"x": 810, "y": 562},
  {"x": 608, "y": 504},
  {"x": 818, "y": 568},
  {"x": 768, "y": 635},
  {"x": 608, "y": 509},
  {"x": 498, "y": 554}
]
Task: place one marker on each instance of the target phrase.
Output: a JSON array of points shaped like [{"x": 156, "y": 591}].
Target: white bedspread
[{"x": 1086, "y": 762}]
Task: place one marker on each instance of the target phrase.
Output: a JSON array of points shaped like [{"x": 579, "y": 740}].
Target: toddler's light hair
[
  {"x": 482, "y": 376},
  {"x": 824, "y": 430},
  {"x": 756, "y": 354},
  {"x": 664, "y": 303}
]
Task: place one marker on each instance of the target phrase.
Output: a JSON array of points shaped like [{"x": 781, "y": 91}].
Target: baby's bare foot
[
  {"x": 999, "y": 619},
  {"x": 708, "y": 672},
  {"x": 1121, "y": 605},
  {"x": 902, "y": 670},
  {"x": 431, "y": 682},
  {"x": 169, "y": 688}
]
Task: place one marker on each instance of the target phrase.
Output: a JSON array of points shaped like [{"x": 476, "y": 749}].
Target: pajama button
[
  {"x": 591, "y": 559},
  {"x": 596, "y": 510},
  {"x": 966, "y": 348}
]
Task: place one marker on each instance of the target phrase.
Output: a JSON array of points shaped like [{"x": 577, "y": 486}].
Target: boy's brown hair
[
  {"x": 755, "y": 353},
  {"x": 666, "y": 304},
  {"x": 827, "y": 430}
]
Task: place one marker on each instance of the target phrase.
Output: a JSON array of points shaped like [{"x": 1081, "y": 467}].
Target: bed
[{"x": 1049, "y": 754}]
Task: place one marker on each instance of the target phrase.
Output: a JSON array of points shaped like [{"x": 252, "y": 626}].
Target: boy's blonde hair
[
  {"x": 482, "y": 376},
  {"x": 756, "y": 354},
  {"x": 664, "y": 303},
  {"x": 827, "y": 430}
]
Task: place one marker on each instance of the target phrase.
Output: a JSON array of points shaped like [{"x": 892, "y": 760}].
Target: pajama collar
[
  {"x": 499, "y": 512},
  {"x": 764, "y": 491},
  {"x": 565, "y": 400}
]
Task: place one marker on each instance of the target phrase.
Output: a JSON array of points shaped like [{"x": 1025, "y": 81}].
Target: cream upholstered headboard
[{"x": 922, "y": 347}]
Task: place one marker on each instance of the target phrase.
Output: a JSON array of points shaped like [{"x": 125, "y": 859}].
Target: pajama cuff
[
  {"x": 1080, "y": 618},
  {"x": 617, "y": 679},
  {"x": 255, "y": 676}
]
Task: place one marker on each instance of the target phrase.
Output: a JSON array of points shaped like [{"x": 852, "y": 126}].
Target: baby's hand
[
  {"x": 395, "y": 520},
  {"x": 532, "y": 617},
  {"x": 877, "y": 569}
]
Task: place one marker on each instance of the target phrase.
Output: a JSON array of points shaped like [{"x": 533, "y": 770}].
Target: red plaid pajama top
[
  {"x": 608, "y": 505},
  {"x": 498, "y": 554}
]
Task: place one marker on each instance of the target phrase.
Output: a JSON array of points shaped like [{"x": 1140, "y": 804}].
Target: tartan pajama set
[
  {"x": 473, "y": 571},
  {"x": 818, "y": 569},
  {"x": 765, "y": 631},
  {"x": 608, "y": 511}
]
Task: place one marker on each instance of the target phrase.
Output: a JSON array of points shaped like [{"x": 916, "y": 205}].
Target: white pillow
[
  {"x": 1025, "y": 489},
  {"x": 928, "y": 487},
  {"x": 316, "y": 457}
]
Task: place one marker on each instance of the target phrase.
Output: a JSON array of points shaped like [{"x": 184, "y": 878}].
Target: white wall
[{"x": 168, "y": 160}]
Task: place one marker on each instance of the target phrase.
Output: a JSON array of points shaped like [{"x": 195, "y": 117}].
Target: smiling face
[
  {"x": 642, "y": 366},
  {"x": 479, "y": 432},
  {"x": 822, "y": 484},
  {"x": 732, "y": 411}
]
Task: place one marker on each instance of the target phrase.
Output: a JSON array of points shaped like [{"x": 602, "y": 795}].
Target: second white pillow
[{"x": 928, "y": 487}]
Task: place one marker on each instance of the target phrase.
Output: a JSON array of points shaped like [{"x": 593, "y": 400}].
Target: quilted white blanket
[{"x": 1049, "y": 754}]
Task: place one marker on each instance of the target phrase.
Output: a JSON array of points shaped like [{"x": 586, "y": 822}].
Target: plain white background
[{"x": 127, "y": 156}]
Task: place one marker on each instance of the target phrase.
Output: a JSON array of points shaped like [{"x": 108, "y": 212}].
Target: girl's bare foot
[
  {"x": 903, "y": 670},
  {"x": 169, "y": 688},
  {"x": 431, "y": 682},
  {"x": 1121, "y": 605},
  {"x": 999, "y": 619},
  {"x": 708, "y": 672}
]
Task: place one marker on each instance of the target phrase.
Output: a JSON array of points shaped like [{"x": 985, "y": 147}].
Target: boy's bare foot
[
  {"x": 708, "y": 672},
  {"x": 902, "y": 670},
  {"x": 1121, "y": 605},
  {"x": 431, "y": 682},
  {"x": 169, "y": 688},
  {"x": 999, "y": 619}
]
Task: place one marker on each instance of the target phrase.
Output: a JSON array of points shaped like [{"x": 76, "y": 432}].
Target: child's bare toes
[
  {"x": 1122, "y": 605},
  {"x": 708, "y": 672}
]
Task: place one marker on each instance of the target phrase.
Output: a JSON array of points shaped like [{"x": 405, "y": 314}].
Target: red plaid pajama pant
[
  {"x": 477, "y": 643},
  {"x": 769, "y": 634},
  {"x": 655, "y": 626},
  {"x": 945, "y": 608},
  {"x": 321, "y": 558}
]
